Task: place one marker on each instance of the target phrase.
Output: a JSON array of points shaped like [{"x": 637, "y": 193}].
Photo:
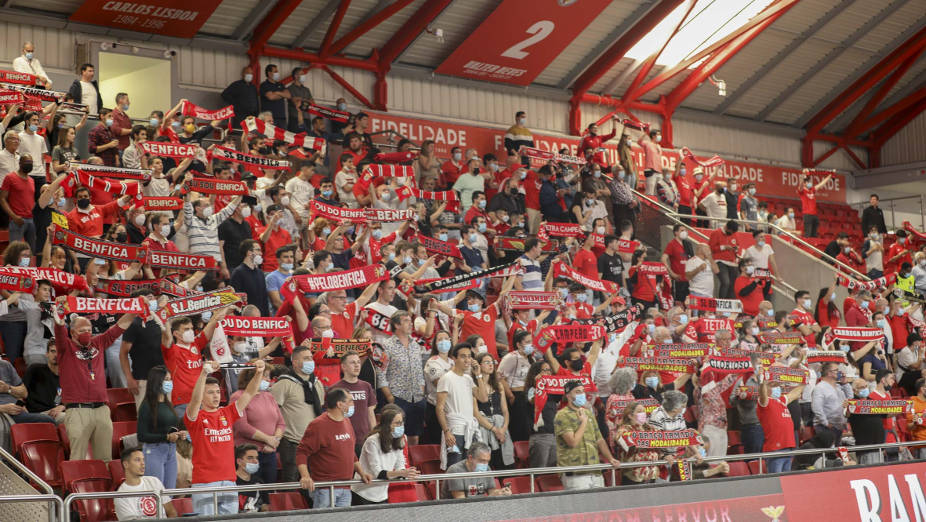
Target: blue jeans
[
  {"x": 25, "y": 232},
  {"x": 268, "y": 467},
  {"x": 321, "y": 497},
  {"x": 753, "y": 437},
  {"x": 227, "y": 501},
  {"x": 14, "y": 335},
  {"x": 161, "y": 462},
  {"x": 780, "y": 464},
  {"x": 25, "y": 417},
  {"x": 113, "y": 366}
]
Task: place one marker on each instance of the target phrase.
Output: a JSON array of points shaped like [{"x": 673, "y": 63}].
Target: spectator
[
  {"x": 470, "y": 182},
  {"x": 578, "y": 440},
  {"x": 866, "y": 428},
  {"x": 674, "y": 257},
  {"x": 787, "y": 222},
  {"x": 749, "y": 289},
  {"x": 383, "y": 457},
  {"x": 42, "y": 385},
  {"x": 298, "y": 92},
  {"x": 101, "y": 142},
  {"x": 596, "y": 142},
  {"x": 451, "y": 169},
  {"x": 808, "y": 193},
  {"x": 363, "y": 395},
  {"x": 17, "y": 198},
  {"x": 203, "y": 226},
  {"x": 29, "y": 64},
  {"x": 777, "y": 425},
  {"x": 132, "y": 508},
  {"x": 873, "y": 217},
  {"x": 121, "y": 127},
  {"x": 551, "y": 205},
  {"x": 714, "y": 387},
  {"x": 261, "y": 424},
  {"x": 248, "y": 277},
  {"x": 610, "y": 264},
  {"x": 749, "y": 205},
  {"x": 298, "y": 393},
  {"x": 86, "y": 91},
  {"x": 513, "y": 370},
  {"x": 327, "y": 448},
  {"x": 159, "y": 427},
  {"x": 725, "y": 250},
  {"x": 761, "y": 253},
  {"x": 873, "y": 252},
  {"x": 457, "y": 407},
  {"x": 836, "y": 247},
  {"x": 493, "y": 417},
  {"x": 826, "y": 312},
  {"x": 751, "y": 433},
  {"x": 802, "y": 318},
  {"x": 9, "y": 155},
  {"x": 915, "y": 416},
  {"x": 139, "y": 351},
  {"x": 402, "y": 381},
  {"x": 518, "y": 135},
  {"x": 83, "y": 384},
  {"x": 210, "y": 428},
  {"x": 247, "y": 468},
  {"x": 183, "y": 354},
  {"x": 242, "y": 96},
  {"x": 898, "y": 254},
  {"x": 652, "y": 158},
  {"x": 13, "y": 393},
  {"x": 477, "y": 461},
  {"x": 828, "y": 397},
  {"x": 131, "y": 156},
  {"x": 714, "y": 204},
  {"x": 232, "y": 232},
  {"x": 272, "y": 94},
  {"x": 732, "y": 198},
  {"x": 634, "y": 419}
]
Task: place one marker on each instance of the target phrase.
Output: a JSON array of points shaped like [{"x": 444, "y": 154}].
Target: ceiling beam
[
  {"x": 897, "y": 123},
  {"x": 859, "y": 123},
  {"x": 835, "y": 53},
  {"x": 634, "y": 18},
  {"x": 368, "y": 24},
  {"x": 894, "y": 101},
  {"x": 842, "y": 121},
  {"x": 253, "y": 18},
  {"x": 410, "y": 30},
  {"x": 271, "y": 23},
  {"x": 797, "y": 41},
  {"x": 333, "y": 28},
  {"x": 900, "y": 106},
  {"x": 316, "y": 22}
]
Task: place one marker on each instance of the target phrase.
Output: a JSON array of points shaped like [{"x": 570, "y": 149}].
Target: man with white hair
[
  {"x": 710, "y": 396},
  {"x": 29, "y": 64}
]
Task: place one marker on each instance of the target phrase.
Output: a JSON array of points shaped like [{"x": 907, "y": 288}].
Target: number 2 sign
[{"x": 520, "y": 38}]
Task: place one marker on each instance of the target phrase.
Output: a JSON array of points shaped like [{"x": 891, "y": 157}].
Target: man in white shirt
[
  {"x": 85, "y": 90},
  {"x": 301, "y": 190},
  {"x": 715, "y": 204},
  {"x": 33, "y": 144},
  {"x": 29, "y": 64},
  {"x": 9, "y": 156},
  {"x": 456, "y": 406},
  {"x": 761, "y": 253},
  {"x": 700, "y": 270},
  {"x": 132, "y": 508},
  {"x": 787, "y": 223}
]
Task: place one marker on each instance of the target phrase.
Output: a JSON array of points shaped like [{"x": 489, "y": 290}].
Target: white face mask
[
  {"x": 165, "y": 230},
  {"x": 284, "y": 201},
  {"x": 140, "y": 220},
  {"x": 248, "y": 78},
  {"x": 683, "y": 235},
  {"x": 207, "y": 212},
  {"x": 600, "y": 230},
  {"x": 188, "y": 336},
  {"x": 245, "y": 212},
  {"x": 276, "y": 76}
]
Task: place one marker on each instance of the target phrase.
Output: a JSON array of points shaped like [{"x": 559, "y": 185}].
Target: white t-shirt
[
  {"x": 715, "y": 205},
  {"x": 301, "y": 192},
  {"x": 760, "y": 256},
  {"x": 341, "y": 179},
  {"x": 129, "y": 508},
  {"x": 459, "y": 405},
  {"x": 514, "y": 368},
  {"x": 35, "y": 146},
  {"x": 703, "y": 282},
  {"x": 88, "y": 96}
]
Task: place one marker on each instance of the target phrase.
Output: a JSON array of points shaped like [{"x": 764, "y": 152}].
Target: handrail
[
  {"x": 5, "y": 455},
  {"x": 532, "y": 472},
  {"x": 57, "y": 511}
]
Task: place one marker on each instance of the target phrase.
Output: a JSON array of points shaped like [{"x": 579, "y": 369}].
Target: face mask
[
  {"x": 326, "y": 231},
  {"x": 421, "y": 262},
  {"x": 776, "y": 392},
  {"x": 82, "y": 203},
  {"x": 493, "y": 167},
  {"x": 284, "y": 201},
  {"x": 806, "y": 303},
  {"x": 63, "y": 201},
  {"x": 523, "y": 174},
  {"x": 791, "y": 215},
  {"x": 153, "y": 305},
  {"x": 770, "y": 312},
  {"x": 407, "y": 259},
  {"x": 844, "y": 348},
  {"x": 443, "y": 345},
  {"x": 165, "y": 230},
  {"x": 457, "y": 156},
  {"x": 175, "y": 125},
  {"x": 651, "y": 328},
  {"x": 84, "y": 338},
  {"x": 880, "y": 323},
  {"x": 563, "y": 292},
  {"x": 481, "y": 349},
  {"x": 580, "y": 400},
  {"x": 442, "y": 236},
  {"x": 702, "y": 452},
  {"x": 154, "y": 122},
  {"x": 528, "y": 349},
  {"x": 683, "y": 318},
  {"x": 473, "y": 237},
  {"x": 99, "y": 262},
  {"x": 34, "y": 128},
  {"x": 248, "y": 78},
  {"x": 377, "y": 233},
  {"x": 864, "y": 305},
  {"x": 24, "y": 261},
  {"x": 698, "y": 177},
  {"x": 350, "y": 411},
  {"x": 481, "y": 467},
  {"x": 482, "y": 204},
  {"x": 750, "y": 270},
  {"x": 258, "y": 259},
  {"x": 207, "y": 212},
  {"x": 577, "y": 364},
  {"x": 29, "y": 56},
  {"x": 342, "y": 106},
  {"x": 308, "y": 367},
  {"x": 522, "y": 121},
  {"x": 386, "y": 196},
  {"x": 652, "y": 382},
  {"x": 600, "y": 230},
  {"x": 886, "y": 310},
  {"x": 286, "y": 266},
  {"x": 264, "y": 385},
  {"x": 167, "y": 386},
  {"x": 582, "y": 298},
  {"x": 863, "y": 393},
  {"x": 808, "y": 184},
  {"x": 245, "y": 212},
  {"x": 252, "y": 467},
  {"x": 754, "y": 330},
  {"x": 760, "y": 243},
  {"x": 326, "y": 194},
  {"x": 109, "y": 122},
  {"x": 276, "y": 76},
  {"x": 481, "y": 227},
  {"x": 473, "y": 307},
  {"x": 640, "y": 417},
  {"x": 596, "y": 173},
  {"x": 621, "y": 175},
  {"x": 240, "y": 346},
  {"x": 391, "y": 256},
  {"x": 612, "y": 337},
  {"x": 125, "y": 108},
  {"x": 505, "y": 219},
  {"x": 188, "y": 336},
  {"x": 122, "y": 237},
  {"x": 328, "y": 333},
  {"x": 398, "y": 431},
  {"x": 752, "y": 192}
]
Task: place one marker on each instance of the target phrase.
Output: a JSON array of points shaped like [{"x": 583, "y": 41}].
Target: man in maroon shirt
[
  {"x": 674, "y": 257},
  {"x": 122, "y": 124},
  {"x": 83, "y": 383},
  {"x": 17, "y": 197},
  {"x": 101, "y": 141},
  {"x": 328, "y": 449}
]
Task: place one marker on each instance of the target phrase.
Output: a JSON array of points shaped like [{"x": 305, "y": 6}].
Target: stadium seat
[
  {"x": 121, "y": 429},
  {"x": 520, "y": 484},
  {"x": 522, "y": 453},
  {"x": 86, "y": 476},
  {"x": 430, "y": 467},
  {"x": 738, "y": 468},
  {"x": 184, "y": 505},
  {"x": 117, "y": 472},
  {"x": 422, "y": 492},
  {"x": 807, "y": 433},
  {"x": 287, "y": 501},
  {"x": 734, "y": 443},
  {"x": 125, "y": 411},
  {"x": 65, "y": 441},
  {"x": 423, "y": 452},
  {"x": 119, "y": 395},
  {"x": 754, "y": 467},
  {"x": 42, "y": 457},
  {"x": 549, "y": 483},
  {"x": 32, "y": 431}
]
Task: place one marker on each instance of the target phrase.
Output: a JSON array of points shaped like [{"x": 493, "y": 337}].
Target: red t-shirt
[
  {"x": 515, "y": 326},
  {"x": 20, "y": 194},
  {"x": 895, "y": 249},
  {"x": 357, "y": 156},
  {"x": 376, "y": 244},
  {"x": 808, "y": 200},
  {"x": 531, "y": 185},
  {"x": 677, "y": 257},
  {"x": 287, "y": 311},
  {"x": 279, "y": 237},
  {"x": 343, "y": 323},
  {"x": 483, "y": 325},
  {"x": 750, "y": 301},
  {"x": 185, "y": 365},
  {"x": 91, "y": 223},
  {"x": 450, "y": 172},
  {"x": 645, "y": 289},
  {"x": 473, "y": 213},
  {"x": 153, "y": 244},
  {"x": 703, "y": 328},
  {"x": 825, "y": 318},
  {"x": 899, "y": 330},
  {"x": 685, "y": 185},
  {"x": 327, "y": 447},
  {"x": 586, "y": 262},
  {"x": 777, "y": 424},
  {"x": 213, "y": 444},
  {"x": 720, "y": 238},
  {"x": 800, "y": 316}
]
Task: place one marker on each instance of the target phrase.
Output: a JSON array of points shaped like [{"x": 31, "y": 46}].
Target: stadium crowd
[{"x": 471, "y": 302}]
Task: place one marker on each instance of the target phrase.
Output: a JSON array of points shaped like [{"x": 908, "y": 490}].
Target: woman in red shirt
[
  {"x": 644, "y": 285},
  {"x": 748, "y": 289},
  {"x": 827, "y": 313}
]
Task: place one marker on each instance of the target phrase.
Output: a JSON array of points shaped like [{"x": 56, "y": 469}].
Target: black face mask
[
  {"x": 122, "y": 237},
  {"x": 83, "y": 203},
  {"x": 513, "y": 191},
  {"x": 26, "y": 167},
  {"x": 476, "y": 171},
  {"x": 265, "y": 150},
  {"x": 576, "y": 365}
]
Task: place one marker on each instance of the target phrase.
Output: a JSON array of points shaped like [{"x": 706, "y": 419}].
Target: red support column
[
  {"x": 380, "y": 92},
  {"x": 348, "y": 87},
  {"x": 333, "y": 28},
  {"x": 370, "y": 23},
  {"x": 667, "y": 131}
]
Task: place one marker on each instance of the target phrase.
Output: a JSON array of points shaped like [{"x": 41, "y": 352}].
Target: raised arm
[
  {"x": 196, "y": 397},
  {"x": 253, "y": 386}
]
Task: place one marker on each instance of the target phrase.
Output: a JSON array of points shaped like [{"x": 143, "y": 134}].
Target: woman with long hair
[
  {"x": 383, "y": 457},
  {"x": 493, "y": 416},
  {"x": 438, "y": 364},
  {"x": 64, "y": 151},
  {"x": 159, "y": 428},
  {"x": 542, "y": 441},
  {"x": 513, "y": 370},
  {"x": 634, "y": 420},
  {"x": 261, "y": 423},
  {"x": 827, "y": 312}
]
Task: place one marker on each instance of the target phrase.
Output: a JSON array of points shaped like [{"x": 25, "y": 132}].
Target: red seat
[
  {"x": 125, "y": 411},
  {"x": 119, "y": 395},
  {"x": 183, "y": 505},
  {"x": 429, "y": 467},
  {"x": 423, "y": 453},
  {"x": 65, "y": 441},
  {"x": 42, "y": 457},
  {"x": 121, "y": 429},
  {"x": 422, "y": 492},
  {"x": 21, "y": 433},
  {"x": 738, "y": 468},
  {"x": 518, "y": 485},
  {"x": 287, "y": 501},
  {"x": 753, "y": 466},
  {"x": 734, "y": 443},
  {"x": 89, "y": 476},
  {"x": 807, "y": 433},
  {"x": 522, "y": 453},
  {"x": 549, "y": 483},
  {"x": 117, "y": 472}
]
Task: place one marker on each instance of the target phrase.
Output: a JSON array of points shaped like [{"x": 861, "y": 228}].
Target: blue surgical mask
[
  {"x": 844, "y": 347},
  {"x": 350, "y": 411},
  {"x": 34, "y": 128},
  {"x": 153, "y": 122},
  {"x": 326, "y": 231},
  {"x": 580, "y": 400},
  {"x": 308, "y": 367},
  {"x": 286, "y": 266},
  {"x": 391, "y": 256},
  {"x": 421, "y": 262},
  {"x": 833, "y": 296},
  {"x": 109, "y": 122},
  {"x": 377, "y": 233},
  {"x": 252, "y": 467},
  {"x": 443, "y": 345},
  {"x": 864, "y": 305},
  {"x": 442, "y": 236},
  {"x": 582, "y": 298},
  {"x": 264, "y": 385},
  {"x": 621, "y": 175},
  {"x": 776, "y": 392},
  {"x": 481, "y": 227},
  {"x": 880, "y": 323},
  {"x": 760, "y": 243},
  {"x": 398, "y": 431},
  {"x": 342, "y": 106},
  {"x": 481, "y": 467},
  {"x": 474, "y": 307},
  {"x": 528, "y": 349},
  {"x": 770, "y": 312},
  {"x": 175, "y": 124},
  {"x": 652, "y": 382},
  {"x": 407, "y": 259},
  {"x": 612, "y": 337},
  {"x": 29, "y": 56},
  {"x": 702, "y": 452},
  {"x": 167, "y": 386},
  {"x": 206, "y": 315},
  {"x": 563, "y": 292},
  {"x": 863, "y": 393},
  {"x": 482, "y": 203},
  {"x": 125, "y": 108},
  {"x": 651, "y": 328},
  {"x": 326, "y": 194},
  {"x": 473, "y": 237}
]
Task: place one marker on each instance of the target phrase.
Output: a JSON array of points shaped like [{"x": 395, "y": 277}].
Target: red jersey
[
  {"x": 703, "y": 328},
  {"x": 685, "y": 186},
  {"x": 375, "y": 245},
  {"x": 895, "y": 249},
  {"x": 800, "y": 316},
  {"x": 327, "y": 447},
  {"x": 808, "y": 200},
  {"x": 777, "y": 424},
  {"x": 473, "y": 213},
  {"x": 752, "y": 299},
  {"x": 154, "y": 244},
  {"x": 449, "y": 172},
  {"x": 483, "y": 325},
  {"x": 720, "y": 238},
  {"x": 900, "y": 329},
  {"x": 91, "y": 223},
  {"x": 596, "y": 143},
  {"x": 343, "y": 323},
  {"x": 185, "y": 365},
  {"x": 586, "y": 262},
  {"x": 583, "y": 310},
  {"x": 213, "y": 444},
  {"x": 531, "y": 190},
  {"x": 646, "y": 286},
  {"x": 278, "y": 238},
  {"x": 677, "y": 257},
  {"x": 515, "y": 326}
]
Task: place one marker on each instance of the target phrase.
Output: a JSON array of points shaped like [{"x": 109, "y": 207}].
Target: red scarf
[
  {"x": 361, "y": 215},
  {"x": 395, "y": 157},
  {"x": 709, "y": 304},
  {"x": 117, "y": 188},
  {"x": 542, "y": 157},
  {"x": 224, "y": 153},
  {"x": 96, "y": 305},
  {"x": 212, "y": 186},
  {"x": 532, "y": 300},
  {"x": 65, "y": 280},
  {"x": 18, "y": 77},
  {"x": 440, "y": 247},
  {"x": 123, "y": 288},
  {"x": 390, "y": 171},
  {"x": 453, "y": 201},
  {"x": 167, "y": 149},
  {"x": 39, "y": 94},
  {"x": 16, "y": 283},
  {"x": 197, "y": 304},
  {"x": 787, "y": 375},
  {"x": 256, "y": 326},
  {"x": 161, "y": 203},
  {"x": 328, "y": 114},
  {"x": 10, "y": 97},
  {"x": 560, "y": 230},
  {"x": 301, "y": 140},
  {"x": 683, "y": 350},
  {"x": 104, "y": 171},
  {"x": 554, "y": 385},
  {"x": 856, "y": 333},
  {"x": 730, "y": 364},
  {"x": 341, "y": 347},
  {"x": 191, "y": 109},
  {"x": 354, "y": 278},
  {"x": 560, "y": 269},
  {"x": 874, "y": 284},
  {"x": 713, "y": 161},
  {"x": 825, "y": 356},
  {"x": 99, "y": 248},
  {"x": 660, "y": 364},
  {"x": 180, "y": 261}
]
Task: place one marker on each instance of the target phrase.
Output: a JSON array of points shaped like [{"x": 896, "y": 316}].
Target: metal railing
[
  {"x": 57, "y": 504},
  {"x": 531, "y": 472},
  {"x": 860, "y": 206}
]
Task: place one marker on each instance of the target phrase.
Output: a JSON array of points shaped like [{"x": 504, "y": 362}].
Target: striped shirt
[
  {"x": 204, "y": 233},
  {"x": 532, "y": 278}
]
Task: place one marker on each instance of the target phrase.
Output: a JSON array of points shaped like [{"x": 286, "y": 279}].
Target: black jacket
[
  {"x": 76, "y": 92},
  {"x": 873, "y": 217}
]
